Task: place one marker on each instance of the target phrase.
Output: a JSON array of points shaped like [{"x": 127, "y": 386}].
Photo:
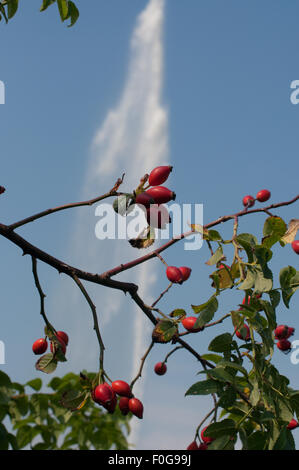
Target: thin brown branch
[
  {"x": 161, "y": 295},
  {"x": 142, "y": 364},
  {"x": 40, "y": 291},
  {"x": 95, "y": 320},
  {"x": 90, "y": 202}
]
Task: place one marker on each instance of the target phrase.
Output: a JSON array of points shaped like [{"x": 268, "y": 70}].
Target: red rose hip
[
  {"x": 263, "y": 195},
  {"x": 160, "y": 368},
  {"x": 284, "y": 345},
  {"x": 124, "y": 405},
  {"x": 293, "y": 424},
  {"x": 248, "y": 201},
  {"x": 192, "y": 446},
  {"x": 189, "y": 322},
  {"x": 160, "y": 194},
  {"x": 159, "y": 175},
  {"x": 103, "y": 394},
  {"x": 121, "y": 388},
  {"x": 136, "y": 407},
  {"x": 144, "y": 200},
  {"x": 40, "y": 346},
  {"x": 185, "y": 272},
  {"x": 62, "y": 335},
  {"x": 295, "y": 246},
  {"x": 174, "y": 274}
]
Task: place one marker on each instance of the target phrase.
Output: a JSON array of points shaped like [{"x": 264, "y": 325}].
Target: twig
[
  {"x": 95, "y": 320},
  {"x": 161, "y": 295},
  {"x": 40, "y": 291},
  {"x": 142, "y": 364},
  {"x": 90, "y": 202}
]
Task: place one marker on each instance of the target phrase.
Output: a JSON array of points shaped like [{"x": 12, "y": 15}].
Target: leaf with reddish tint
[
  {"x": 46, "y": 363},
  {"x": 164, "y": 331}
]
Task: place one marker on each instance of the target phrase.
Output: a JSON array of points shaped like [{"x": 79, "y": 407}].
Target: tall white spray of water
[{"x": 132, "y": 139}]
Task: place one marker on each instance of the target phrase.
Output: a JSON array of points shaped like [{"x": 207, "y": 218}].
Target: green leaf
[
  {"x": 74, "y": 400},
  {"x": 257, "y": 441},
  {"x": 221, "y": 343},
  {"x": 63, "y": 9},
  {"x": 46, "y": 4},
  {"x": 207, "y": 310},
  {"x": 221, "y": 443},
  {"x": 227, "y": 427},
  {"x": 233, "y": 365},
  {"x": 213, "y": 236},
  {"x": 46, "y": 363},
  {"x": 247, "y": 242},
  {"x": 212, "y": 357},
  {"x": 36, "y": 384},
  {"x": 164, "y": 331},
  {"x": 205, "y": 387},
  {"x": 178, "y": 312},
  {"x": 220, "y": 373},
  {"x": 121, "y": 204},
  {"x": 249, "y": 281},
  {"x": 273, "y": 231},
  {"x": 274, "y": 297},
  {"x": 216, "y": 257},
  {"x": 73, "y": 13},
  {"x": 285, "y": 440},
  {"x": 12, "y": 8},
  {"x": 5, "y": 380},
  {"x": 289, "y": 281}
]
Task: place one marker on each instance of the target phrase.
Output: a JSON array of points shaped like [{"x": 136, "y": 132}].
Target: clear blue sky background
[{"x": 232, "y": 131}]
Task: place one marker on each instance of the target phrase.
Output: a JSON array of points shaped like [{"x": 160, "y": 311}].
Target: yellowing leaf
[{"x": 291, "y": 232}]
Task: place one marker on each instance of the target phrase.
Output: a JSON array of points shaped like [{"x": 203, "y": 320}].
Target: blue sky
[{"x": 232, "y": 130}]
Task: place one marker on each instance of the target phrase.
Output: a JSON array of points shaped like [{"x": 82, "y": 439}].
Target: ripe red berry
[
  {"x": 243, "y": 332},
  {"x": 185, "y": 272},
  {"x": 284, "y": 345},
  {"x": 160, "y": 194},
  {"x": 293, "y": 424},
  {"x": 40, "y": 346},
  {"x": 248, "y": 201},
  {"x": 263, "y": 195},
  {"x": 144, "y": 200},
  {"x": 174, "y": 274},
  {"x": 295, "y": 246},
  {"x": 282, "y": 332},
  {"x": 62, "y": 335},
  {"x": 160, "y": 368},
  {"x": 189, "y": 322},
  {"x": 121, "y": 388},
  {"x": 103, "y": 394},
  {"x": 124, "y": 405},
  {"x": 203, "y": 446},
  {"x": 2, "y": 189},
  {"x": 110, "y": 407},
  {"x": 159, "y": 175},
  {"x": 192, "y": 446},
  {"x": 206, "y": 439},
  {"x": 63, "y": 346},
  {"x": 157, "y": 216},
  {"x": 136, "y": 407}
]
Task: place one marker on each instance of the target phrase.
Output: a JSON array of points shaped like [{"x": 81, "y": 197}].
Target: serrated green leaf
[
  {"x": 221, "y": 343},
  {"x": 205, "y": 387}
]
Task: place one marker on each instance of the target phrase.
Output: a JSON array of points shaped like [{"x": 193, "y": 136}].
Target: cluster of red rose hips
[
  {"x": 40, "y": 346},
  {"x": 262, "y": 196},
  {"x": 153, "y": 198},
  {"x": 206, "y": 440},
  {"x": 282, "y": 333},
  {"x": 106, "y": 396},
  {"x": 178, "y": 275}
]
